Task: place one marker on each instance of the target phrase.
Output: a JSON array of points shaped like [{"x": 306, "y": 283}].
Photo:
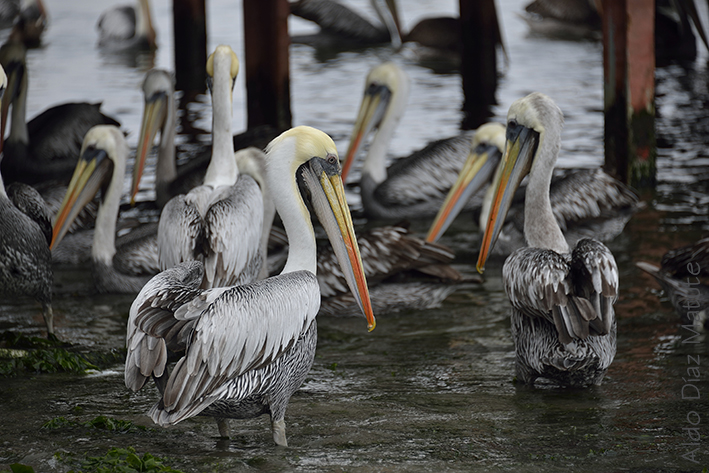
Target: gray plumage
[
  {"x": 245, "y": 353},
  {"x": 126, "y": 27},
  {"x": 417, "y": 185},
  {"x": 25, "y": 259},
  {"x": 679, "y": 276}
]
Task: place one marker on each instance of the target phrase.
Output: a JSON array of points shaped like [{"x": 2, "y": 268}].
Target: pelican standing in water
[
  {"x": 219, "y": 222},
  {"x": 127, "y": 27},
  {"x": 248, "y": 348},
  {"x": 412, "y": 187},
  {"x": 25, "y": 259},
  {"x": 584, "y": 201},
  {"x": 563, "y": 321},
  {"x": 48, "y": 146},
  {"x": 678, "y": 274},
  {"x": 118, "y": 266}
]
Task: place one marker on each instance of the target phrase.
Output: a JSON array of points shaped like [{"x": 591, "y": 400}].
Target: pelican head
[
  {"x": 157, "y": 90},
  {"x": 13, "y": 59},
  {"x": 485, "y": 153},
  {"x": 311, "y": 157},
  {"x": 99, "y": 168},
  {"x": 385, "y": 94},
  {"x": 532, "y": 122},
  {"x": 223, "y": 58}
]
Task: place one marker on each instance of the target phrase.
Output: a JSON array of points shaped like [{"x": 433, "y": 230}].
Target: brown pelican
[
  {"x": 585, "y": 202},
  {"x": 159, "y": 115},
  {"x": 219, "y": 222},
  {"x": 248, "y": 348},
  {"x": 566, "y": 19},
  {"x": 31, "y": 22},
  {"x": 678, "y": 274},
  {"x": 25, "y": 232},
  {"x": 412, "y": 187},
  {"x": 127, "y": 27},
  {"x": 119, "y": 266},
  {"x": 563, "y": 322},
  {"x": 48, "y": 146},
  {"x": 340, "y": 26}
]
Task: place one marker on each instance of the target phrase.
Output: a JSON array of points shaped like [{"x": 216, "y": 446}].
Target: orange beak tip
[
  {"x": 372, "y": 326},
  {"x": 481, "y": 269}
]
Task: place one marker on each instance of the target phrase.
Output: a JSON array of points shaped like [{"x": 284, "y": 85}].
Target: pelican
[
  {"x": 25, "y": 231},
  {"x": 563, "y": 321},
  {"x": 341, "y": 26},
  {"x": 31, "y": 22},
  {"x": 159, "y": 116},
  {"x": 219, "y": 222},
  {"x": 248, "y": 348},
  {"x": 678, "y": 275},
  {"x": 119, "y": 266},
  {"x": 412, "y": 187},
  {"x": 584, "y": 201},
  {"x": 565, "y": 19},
  {"x": 127, "y": 27},
  {"x": 48, "y": 146}
]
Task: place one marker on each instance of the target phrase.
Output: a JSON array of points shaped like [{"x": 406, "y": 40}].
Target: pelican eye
[
  {"x": 512, "y": 123},
  {"x": 331, "y": 160}
]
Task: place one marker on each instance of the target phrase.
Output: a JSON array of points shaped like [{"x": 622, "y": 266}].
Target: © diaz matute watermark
[{"x": 690, "y": 390}]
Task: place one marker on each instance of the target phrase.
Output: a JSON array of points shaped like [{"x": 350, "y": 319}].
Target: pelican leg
[
  {"x": 48, "y": 320},
  {"x": 279, "y": 432},
  {"x": 223, "y": 425}
]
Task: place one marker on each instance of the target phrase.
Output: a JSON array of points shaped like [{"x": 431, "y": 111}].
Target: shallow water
[{"x": 427, "y": 389}]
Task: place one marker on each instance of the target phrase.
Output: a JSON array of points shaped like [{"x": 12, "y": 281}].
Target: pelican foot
[
  {"x": 279, "y": 432},
  {"x": 223, "y": 425}
]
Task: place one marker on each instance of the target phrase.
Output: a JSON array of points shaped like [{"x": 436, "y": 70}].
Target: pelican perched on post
[
  {"x": 563, "y": 321},
  {"x": 48, "y": 146},
  {"x": 219, "y": 222},
  {"x": 119, "y": 266},
  {"x": 248, "y": 348},
  {"x": 412, "y": 187},
  {"x": 584, "y": 201},
  {"x": 25, "y": 232},
  {"x": 127, "y": 27}
]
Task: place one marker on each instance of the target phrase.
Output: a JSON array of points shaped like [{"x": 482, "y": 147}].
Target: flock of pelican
[{"x": 221, "y": 331}]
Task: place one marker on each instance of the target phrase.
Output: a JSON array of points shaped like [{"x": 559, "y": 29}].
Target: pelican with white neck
[
  {"x": 563, "y": 321},
  {"x": 260, "y": 337},
  {"x": 219, "y": 222}
]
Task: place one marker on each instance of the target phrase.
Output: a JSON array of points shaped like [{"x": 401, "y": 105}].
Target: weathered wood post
[
  {"x": 629, "y": 90},
  {"x": 480, "y": 35},
  {"x": 190, "y": 32},
  {"x": 266, "y": 44}
]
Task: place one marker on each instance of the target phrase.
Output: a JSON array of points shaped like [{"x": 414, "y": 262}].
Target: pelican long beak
[
  {"x": 93, "y": 171},
  {"x": 374, "y": 104},
  {"x": 476, "y": 172},
  {"x": 328, "y": 198},
  {"x": 521, "y": 146},
  {"x": 154, "y": 115}
]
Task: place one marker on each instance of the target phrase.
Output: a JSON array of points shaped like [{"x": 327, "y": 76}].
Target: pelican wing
[
  {"x": 539, "y": 284},
  {"x": 159, "y": 298},
  {"x": 117, "y": 24},
  {"x": 137, "y": 251},
  {"x": 385, "y": 251},
  {"x": 595, "y": 276},
  {"x": 587, "y": 194},
  {"x": 233, "y": 233},
  {"x": 427, "y": 174},
  {"x": 688, "y": 261},
  {"x": 180, "y": 231},
  {"x": 237, "y": 330}
]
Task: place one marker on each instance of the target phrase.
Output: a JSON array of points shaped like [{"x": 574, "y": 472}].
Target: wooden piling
[
  {"x": 480, "y": 35},
  {"x": 629, "y": 90},
  {"x": 190, "y": 33},
  {"x": 266, "y": 44}
]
